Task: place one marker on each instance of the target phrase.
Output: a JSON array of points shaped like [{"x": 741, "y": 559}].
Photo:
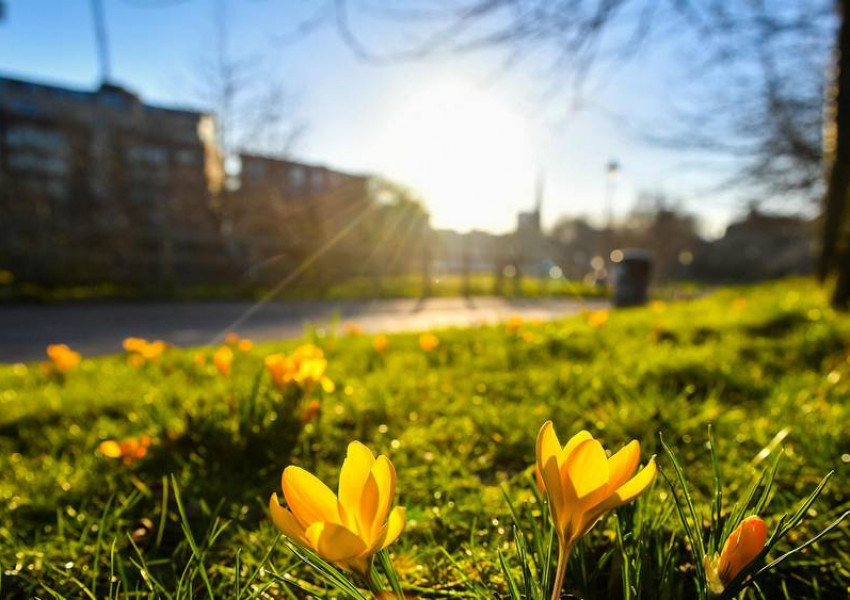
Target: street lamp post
[{"x": 612, "y": 172}]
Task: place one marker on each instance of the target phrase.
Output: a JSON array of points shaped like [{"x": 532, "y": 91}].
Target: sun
[{"x": 466, "y": 152}]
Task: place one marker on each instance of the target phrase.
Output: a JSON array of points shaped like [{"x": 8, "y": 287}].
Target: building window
[
  {"x": 36, "y": 138},
  {"x": 50, "y": 187},
  {"x": 188, "y": 158},
  {"x": 255, "y": 170},
  {"x": 318, "y": 180},
  {"x": 148, "y": 155},
  {"x": 297, "y": 177}
]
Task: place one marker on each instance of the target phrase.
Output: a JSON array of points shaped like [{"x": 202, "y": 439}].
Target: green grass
[{"x": 767, "y": 367}]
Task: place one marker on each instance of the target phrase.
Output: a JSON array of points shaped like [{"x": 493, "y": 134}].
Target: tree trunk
[
  {"x": 837, "y": 148},
  {"x": 839, "y": 177}
]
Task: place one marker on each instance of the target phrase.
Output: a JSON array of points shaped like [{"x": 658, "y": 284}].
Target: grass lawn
[{"x": 768, "y": 367}]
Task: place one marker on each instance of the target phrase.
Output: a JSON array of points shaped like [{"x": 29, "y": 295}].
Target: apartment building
[{"x": 95, "y": 180}]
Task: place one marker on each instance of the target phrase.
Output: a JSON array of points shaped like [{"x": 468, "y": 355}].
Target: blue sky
[{"x": 473, "y": 174}]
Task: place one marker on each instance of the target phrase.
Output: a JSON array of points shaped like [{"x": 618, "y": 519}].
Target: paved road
[{"x": 98, "y": 328}]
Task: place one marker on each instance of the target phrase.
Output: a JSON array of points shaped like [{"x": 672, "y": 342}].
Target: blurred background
[{"x": 375, "y": 148}]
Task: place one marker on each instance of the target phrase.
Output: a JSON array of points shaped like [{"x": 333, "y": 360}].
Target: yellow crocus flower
[
  {"x": 741, "y": 548},
  {"x": 311, "y": 371},
  {"x": 582, "y": 484},
  {"x": 305, "y": 367},
  {"x": 307, "y": 351},
  {"x": 348, "y": 529}
]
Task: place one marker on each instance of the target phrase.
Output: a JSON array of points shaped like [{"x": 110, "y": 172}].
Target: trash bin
[{"x": 631, "y": 277}]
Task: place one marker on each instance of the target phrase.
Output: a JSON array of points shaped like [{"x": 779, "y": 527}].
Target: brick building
[
  {"x": 98, "y": 185},
  {"x": 284, "y": 210}
]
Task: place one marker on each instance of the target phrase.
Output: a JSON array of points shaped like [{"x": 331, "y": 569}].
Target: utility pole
[
  {"x": 612, "y": 171},
  {"x": 101, "y": 40}
]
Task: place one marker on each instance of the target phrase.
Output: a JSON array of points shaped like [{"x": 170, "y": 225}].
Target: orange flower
[
  {"x": 380, "y": 343},
  {"x": 739, "y": 304},
  {"x": 133, "y": 344},
  {"x": 63, "y": 358},
  {"x": 281, "y": 368},
  {"x": 200, "y": 359},
  {"x": 513, "y": 324},
  {"x": 153, "y": 350},
  {"x": 129, "y": 450},
  {"x": 233, "y": 340},
  {"x": 352, "y": 329},
  {"x": 222, "y": 359},
  {"x": 311, "y": 411},
  {"x": 741, "y": 548},
  {"x": 142, "y": 351},
  {"x": 305, "y": 367},
  {"x": 597, "y": 318},
  {"x": 428, "y": 342}
]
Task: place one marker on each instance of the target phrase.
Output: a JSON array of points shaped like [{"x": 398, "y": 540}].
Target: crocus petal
[
  {"x": 742, "y": 547},
  {"x": 586, "y": 470},
  {"x": 395, "y": 525},
  {"x": 547, "y": 444},
  {"x": 385, "y": 476},
  {"x": 538, "y": 478},
  {"x": 638, "y": 484},
  {"x": 352, "y": 477},
  {"x": 286, "y": 522},
  {"x": 390, "y": 531},
  {"x": 581, "y": 436},
  {"x": 630, "y": 490},
  {"x": 334, "y": 542},
  {"x": 622, "y": 465},
  {"x": 368, "y": 509},
  {"x": 551, "y": 476},
  {"x": 309, "y": 499}
]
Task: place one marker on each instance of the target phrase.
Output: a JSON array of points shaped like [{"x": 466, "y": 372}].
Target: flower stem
[
  {"x": 370, "y": 581},
  {"x": 563, "y": 559}
]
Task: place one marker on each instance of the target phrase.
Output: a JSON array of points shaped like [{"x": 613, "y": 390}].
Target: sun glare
[{"x": 466, "y": 152}]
